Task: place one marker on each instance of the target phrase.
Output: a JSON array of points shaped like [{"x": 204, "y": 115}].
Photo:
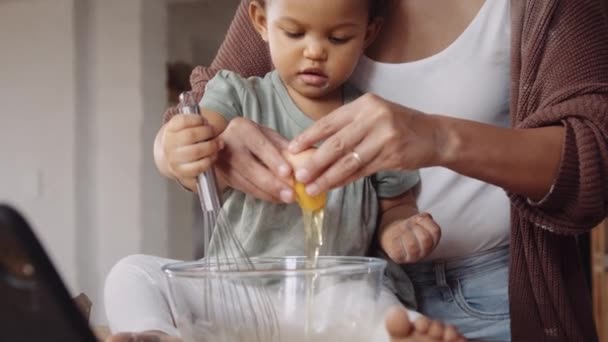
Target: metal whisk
[
  {"x": 245, "y": 307},
  {"x": 206, "y": 182}
]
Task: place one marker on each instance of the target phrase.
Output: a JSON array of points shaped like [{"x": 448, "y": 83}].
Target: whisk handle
[
  {"x": 207, "y": 183},
  {"x": 208, "y": 193}
]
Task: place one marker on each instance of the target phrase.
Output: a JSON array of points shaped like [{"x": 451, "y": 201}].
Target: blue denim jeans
[{"x": 469, "y": 292}]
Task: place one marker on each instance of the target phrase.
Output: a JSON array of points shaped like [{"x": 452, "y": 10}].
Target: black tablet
[{"x": 34, "y": 302}]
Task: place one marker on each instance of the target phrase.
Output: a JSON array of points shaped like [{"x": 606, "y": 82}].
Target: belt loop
[
  {"x": 439, "y": 269},
  {"x": 441, "y": 281}
]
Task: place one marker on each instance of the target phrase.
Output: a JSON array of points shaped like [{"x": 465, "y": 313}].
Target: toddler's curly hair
[{"x": 377, "y": 8}]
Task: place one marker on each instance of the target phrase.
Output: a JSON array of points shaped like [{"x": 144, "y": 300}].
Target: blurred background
[{"x": 83, "y": 86}]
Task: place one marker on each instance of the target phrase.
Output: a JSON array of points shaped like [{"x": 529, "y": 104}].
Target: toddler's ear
[
  {"x": 373, "y": 28},
  {"x": 257, "y": 14}
]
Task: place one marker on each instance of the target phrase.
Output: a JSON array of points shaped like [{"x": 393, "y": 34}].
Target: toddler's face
[{"x": 315, "y": 44}]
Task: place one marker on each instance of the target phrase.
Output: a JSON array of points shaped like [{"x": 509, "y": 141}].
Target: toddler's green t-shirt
[{"x": 270, "y": 229}]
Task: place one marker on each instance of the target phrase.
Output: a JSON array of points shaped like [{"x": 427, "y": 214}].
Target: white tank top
[{"x": 469, "y": 80}]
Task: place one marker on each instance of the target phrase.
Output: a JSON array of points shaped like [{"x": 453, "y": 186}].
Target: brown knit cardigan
[{"x": 559, "y": 76}]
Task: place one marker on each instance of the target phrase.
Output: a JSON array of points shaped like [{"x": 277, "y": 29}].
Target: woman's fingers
[
  {"x": 323, "y": 128},
  {"x": 247, "y": 134},
  {"x": 275, "y": 138},
  {"x": 251, "y": 161},
  {"x": 345, "y": 128},
  {"x": 350, "y": 166},
  {"x": 340, "y": 152},
  {"x": 363, "y": 137},
  {"x": 239, "y": 182},
  {"x": 368, "y": 168},
  {"x": 245, "y": 173},
  {"x": 355, "y": 136}
]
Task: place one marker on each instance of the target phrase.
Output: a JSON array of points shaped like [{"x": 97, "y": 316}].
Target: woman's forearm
[{"x": 522, "y": 161}]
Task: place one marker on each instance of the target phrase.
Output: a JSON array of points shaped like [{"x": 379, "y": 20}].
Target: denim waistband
[{"x": 458, "y": 268}]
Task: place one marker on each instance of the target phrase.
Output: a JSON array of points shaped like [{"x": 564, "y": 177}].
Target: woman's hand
[
  {"x": 363, "y": 137},
  {"x": 305, "y": 201},
  {"x": 251, "y": 161},
  {"x": 371, "y": 134}
]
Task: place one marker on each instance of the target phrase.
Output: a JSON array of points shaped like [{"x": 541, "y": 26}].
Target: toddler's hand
[
  {"x": 190, "y": 147},
  {"x": 410, "y": 240}
]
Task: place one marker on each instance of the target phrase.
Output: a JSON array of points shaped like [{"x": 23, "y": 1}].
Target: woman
[{"x": 544, "y": 69}]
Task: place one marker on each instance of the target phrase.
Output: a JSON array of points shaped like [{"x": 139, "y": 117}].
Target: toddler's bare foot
[
  {"x": 148, "y": 336},
  {"x": 401, "y": 329}
]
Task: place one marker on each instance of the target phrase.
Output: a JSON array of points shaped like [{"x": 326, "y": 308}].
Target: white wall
[
  {"x": 125, "y": 76},
  {"x": 82, "y": 90},
  {"x": 37, "y": 125}
]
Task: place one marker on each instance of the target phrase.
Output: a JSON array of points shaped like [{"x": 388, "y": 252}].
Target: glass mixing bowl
[{"x": 280, "y": 300}]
